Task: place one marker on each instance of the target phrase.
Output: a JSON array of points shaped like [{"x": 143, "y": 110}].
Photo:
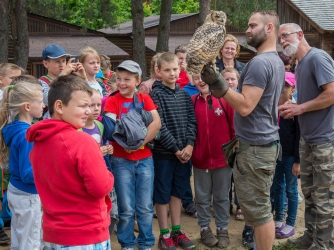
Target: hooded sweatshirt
[
  {"x": 178, "y": 121},
  {"x": 19, "y": 164},
  {"x": 73, "y": 183},
  {"x": 215, "y": 127}
]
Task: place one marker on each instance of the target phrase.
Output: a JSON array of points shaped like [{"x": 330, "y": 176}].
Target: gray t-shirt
[
  {"x": 265, "y": 71},
  {"x": 314, "y": 70}
]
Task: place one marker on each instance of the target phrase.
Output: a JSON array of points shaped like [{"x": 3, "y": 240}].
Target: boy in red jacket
[
  {"x": 212, "y": 176},
  {"x": 69, "y": 171}
]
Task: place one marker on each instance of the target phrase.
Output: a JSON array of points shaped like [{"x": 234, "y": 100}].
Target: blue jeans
[
  {"x": 284, "y": 180},
  {"x": 134, "y": 189}
]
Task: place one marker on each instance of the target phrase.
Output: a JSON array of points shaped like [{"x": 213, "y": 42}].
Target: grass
[{"x": 284, "y": 246}]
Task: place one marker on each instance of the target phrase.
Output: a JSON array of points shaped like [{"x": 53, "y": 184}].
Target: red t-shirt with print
[{"x": 120, "y": 105}]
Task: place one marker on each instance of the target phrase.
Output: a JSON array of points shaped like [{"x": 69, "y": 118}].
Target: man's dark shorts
[
  {"x": 253, "y": 174},
  {"x": 171, "y": 178}
]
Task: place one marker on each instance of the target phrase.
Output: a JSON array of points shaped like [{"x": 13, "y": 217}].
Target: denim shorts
[
  {"x": 171, "y": 178},
  {"x": 253, "y": 174}
]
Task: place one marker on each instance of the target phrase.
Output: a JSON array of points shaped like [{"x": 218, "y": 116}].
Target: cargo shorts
[{"x": 253, "y": 173}]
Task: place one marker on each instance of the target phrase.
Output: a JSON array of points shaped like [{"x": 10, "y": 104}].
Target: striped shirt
[{"x": 178, "y": 120}]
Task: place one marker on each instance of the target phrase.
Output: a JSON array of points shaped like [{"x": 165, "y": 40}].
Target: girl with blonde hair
[
  {"x": 21, "y": 103},
  {"x": 90, "y": 60}
]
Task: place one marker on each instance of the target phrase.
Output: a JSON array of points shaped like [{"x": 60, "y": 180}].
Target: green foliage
[
  {"x": 239, "y": 11},
  {"x": 97, "y": 14},
  {"x": 90, "y": 14}
]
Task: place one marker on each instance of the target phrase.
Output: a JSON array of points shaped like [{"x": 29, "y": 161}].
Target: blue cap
[{"x": 53, "y": 51}]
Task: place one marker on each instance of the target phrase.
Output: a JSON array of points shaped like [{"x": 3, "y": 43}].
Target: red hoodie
[
  {"x": 73, "y": 183},
  {"x": 214, "y": 129}
]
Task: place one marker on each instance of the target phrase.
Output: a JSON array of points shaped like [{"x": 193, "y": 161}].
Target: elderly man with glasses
[{"x": 315, "y": 111}]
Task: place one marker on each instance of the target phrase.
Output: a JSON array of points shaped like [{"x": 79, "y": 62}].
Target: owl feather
[{"x": 205, "y": 44}]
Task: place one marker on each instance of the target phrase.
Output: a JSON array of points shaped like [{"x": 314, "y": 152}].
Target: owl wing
[
  {"x": 204, "y": 46},
  {"x": 206, "y": 37}
]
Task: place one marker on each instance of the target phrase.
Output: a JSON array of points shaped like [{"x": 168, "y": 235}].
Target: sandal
[{"x": 239, "y": 216}]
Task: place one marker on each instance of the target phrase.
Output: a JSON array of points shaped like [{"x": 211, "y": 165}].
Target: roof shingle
[
  {"x": 151, "y": 21},
  {"x": 74, "y": 44},
  {"x": 319, "y": 11}
]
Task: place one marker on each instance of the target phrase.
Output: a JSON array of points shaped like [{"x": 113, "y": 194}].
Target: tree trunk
[
  {"x": 204, "y": 9},
  {"x": 19, "y": 24},
  {"x": 164, "y": 26},
  {"x": 4, "y": 30},
  {"x": 138, "y": 34}
]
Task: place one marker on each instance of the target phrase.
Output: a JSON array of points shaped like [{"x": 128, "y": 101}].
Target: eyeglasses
[{"x": 285, "y": 35}]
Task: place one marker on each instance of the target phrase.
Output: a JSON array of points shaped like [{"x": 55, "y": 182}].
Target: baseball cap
[
  {"x": 290, "y": 79},
  {"x": 53, "y": 51},
  {"x": 130, "y": 66}
]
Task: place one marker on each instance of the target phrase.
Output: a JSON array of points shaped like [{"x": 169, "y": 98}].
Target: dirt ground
[{"x": 190, "y": 227}]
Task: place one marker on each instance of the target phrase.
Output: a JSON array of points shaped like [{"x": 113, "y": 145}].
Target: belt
[{"x": 273, "y": 143}]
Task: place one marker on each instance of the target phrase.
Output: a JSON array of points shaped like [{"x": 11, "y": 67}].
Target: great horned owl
[{"x": 206, "y": 42}]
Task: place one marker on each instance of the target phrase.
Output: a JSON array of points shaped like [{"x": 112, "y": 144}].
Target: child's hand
[
  {"x": 70, "y": 67},
  {"x": 80, "y": 71},
  {"x": 296, "y": 169},
  {"x": 104, "y": 150},
  {"x": 183, "y": 66},
  {"x": 130, "y": 150},
  {"x": 178, "y": 155},
  {"x": 110, "y": 150},
  {"x": 187, "y": 152}
]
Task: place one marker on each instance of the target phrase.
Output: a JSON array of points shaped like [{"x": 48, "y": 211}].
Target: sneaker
[
  {"x": 248, "y": 238},
  {"x": 303, "y": 242},
  {"x": 192, "y": 211},
  {"x": 180, "y": 239},
  {"x": 223, "y": 239},
  {"x": 166, "y": 243},
  {"x": 278, "y": 229},
  {"x": 3, "y": 237},
  {"x": 282, "y": 235},
  {"x": 208, "y": 238}
]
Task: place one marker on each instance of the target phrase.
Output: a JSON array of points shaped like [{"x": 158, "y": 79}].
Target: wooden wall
[
  {"x": 328, "y": 44},
  {"x": 125, "y": 43},
  {"x": 185, "y": 26},
  {"x": 38, "y": 25},
  {"x": 314, "y": 35},
  {"x": 289, "y": 14}
]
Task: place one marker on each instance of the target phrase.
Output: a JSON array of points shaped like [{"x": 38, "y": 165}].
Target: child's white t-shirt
[{"x": 96, "y": 86}]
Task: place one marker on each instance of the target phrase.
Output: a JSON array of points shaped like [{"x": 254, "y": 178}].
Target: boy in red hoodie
[
  {"x": 212, "y": 176},
  {"x": 69, "y": 171}
]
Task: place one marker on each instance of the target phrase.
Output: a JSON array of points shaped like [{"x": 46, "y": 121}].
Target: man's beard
[
  {"x": 258, "y": 39},
  {"x": 291, "y": 49}
]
